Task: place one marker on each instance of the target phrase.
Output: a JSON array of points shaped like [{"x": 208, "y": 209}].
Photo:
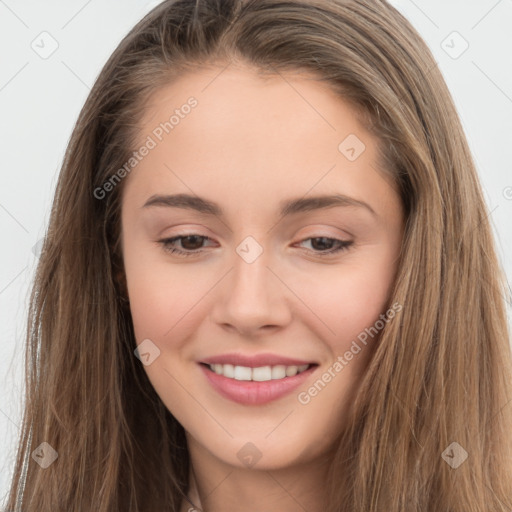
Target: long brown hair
[{"x": 440, "y": 375}]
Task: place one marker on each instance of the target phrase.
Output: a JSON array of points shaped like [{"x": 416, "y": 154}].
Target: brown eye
[
  {"x": 191, "y": 244},
  {"x": 325, "y": 246}
]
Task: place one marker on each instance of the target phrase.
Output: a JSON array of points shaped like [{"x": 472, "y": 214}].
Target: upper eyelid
[
  {"x": 178, "y": 237},
  {"x": 317, "y": 232}
]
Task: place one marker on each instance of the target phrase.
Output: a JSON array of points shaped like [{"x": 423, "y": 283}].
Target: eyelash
[{"x": 343, "y": 245}]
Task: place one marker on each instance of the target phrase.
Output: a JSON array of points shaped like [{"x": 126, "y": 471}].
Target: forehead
[
  {"x": 223, "y": 90},
  {"x": 252, "y": 135}
]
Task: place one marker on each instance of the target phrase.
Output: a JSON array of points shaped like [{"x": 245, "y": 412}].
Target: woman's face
[{"x": 265, "y": 179}]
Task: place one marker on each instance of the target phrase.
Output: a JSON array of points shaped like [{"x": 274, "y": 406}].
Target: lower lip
[{"x": 250, "y": 392}]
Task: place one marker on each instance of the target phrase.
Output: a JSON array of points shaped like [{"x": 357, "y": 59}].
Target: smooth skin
[{"x": 250, "y": 144}]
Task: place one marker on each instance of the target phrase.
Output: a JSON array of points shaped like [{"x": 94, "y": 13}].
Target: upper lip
[{"x": 255, "y": 361}]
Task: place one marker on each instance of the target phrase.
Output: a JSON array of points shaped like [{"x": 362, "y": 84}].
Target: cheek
[
  {"x": 167, "y": 302},
  {"x": 162, "y": 306},
  {"x": 349, "y": 298}
]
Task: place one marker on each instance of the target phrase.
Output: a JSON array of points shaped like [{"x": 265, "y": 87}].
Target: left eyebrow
[{"x": 287, "y": 208}]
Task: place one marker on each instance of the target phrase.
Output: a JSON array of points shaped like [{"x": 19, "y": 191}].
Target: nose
[{"x": 251, "y": 298}]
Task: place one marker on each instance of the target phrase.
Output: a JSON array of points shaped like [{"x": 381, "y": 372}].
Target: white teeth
[
  {"x": 279, "y": 372},
  {"x": 243, "y": 373},
  {"x": 291, "y": 371},
  {"x": 260, "y": 374},
  {"x": 228, "y": 370}
]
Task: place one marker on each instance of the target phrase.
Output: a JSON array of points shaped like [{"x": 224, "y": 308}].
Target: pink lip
[
  {"x": 251, "y": 392},
  {"x": 255, "y": 361}
]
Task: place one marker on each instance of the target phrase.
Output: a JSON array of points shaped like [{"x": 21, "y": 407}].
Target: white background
[{"x": 40, "y": 100}]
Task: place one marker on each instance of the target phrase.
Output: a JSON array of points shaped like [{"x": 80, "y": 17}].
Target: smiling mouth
[{"x": 259, "y": 374}]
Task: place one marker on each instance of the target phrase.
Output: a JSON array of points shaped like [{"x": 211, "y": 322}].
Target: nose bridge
[
  {"x": 250, "y": 286},
  {"x": 252, "y": 297}
]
